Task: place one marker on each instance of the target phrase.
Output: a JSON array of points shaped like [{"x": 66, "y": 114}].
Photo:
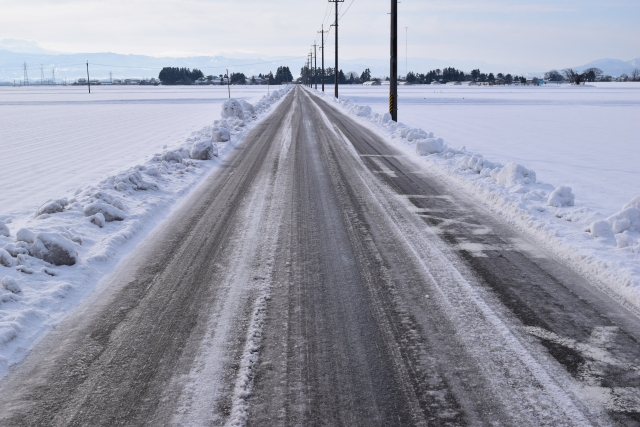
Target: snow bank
[
  {"x": 606, "y": 248},
  {"x": 53, "y": 258},
  {"x": 624, "y": 226}
]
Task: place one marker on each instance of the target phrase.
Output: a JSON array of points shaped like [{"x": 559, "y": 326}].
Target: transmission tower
[
  {"x": 26, "y": 77},
  {"x": 41, "y": 74}
]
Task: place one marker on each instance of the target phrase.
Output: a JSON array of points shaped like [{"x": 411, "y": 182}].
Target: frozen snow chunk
[
  {"x": 25, "y": 235},
  {"x": 624, "y": 240},
  {"x": 20, "y": 248},
  {"x": 635, "y": 202},
  {"x": 140, "y": 184},
  {"x": 98, "y": 219},
  {"x": 152, "y": 171},
  {"x": 220, "y": 134},
  {"x": 133, "y": 179},
  {"x": 24, "y": 269},
  {"x": 514, "y": 174},
  {"x": 248, "y": 109},
  {"x": 628, "y": 219},
  {"x": 231, "y": 108},
  {"x": 362, "y": 111},
  {"x": 429, "y": 146},
  {"x": 11, "y": 284},
  {"x": 54, "y": 248},
  {"x": 485, "y": 172},
  {"x": 175, "y": 156},
  {"x": 386, "y": 118},
  {"x": 415, "y": 134},
  {"x": 105, "y": 197},
  {"x": 477, "y": 163},
  {"x": 600, "y": 229},
  {"x": 52, "y": 206},
  {"x": 4, "y": 230},
  {"x": 110, "y": 213},
  {"x": 561, "y": 196},
  {"x": 6, "y": 259},
  {"x": 203, "y": 150}
]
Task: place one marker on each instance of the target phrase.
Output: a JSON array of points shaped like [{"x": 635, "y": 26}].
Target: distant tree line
[
  {"x": 175, "y": 76},
  {"x": 185, "y": 76}
]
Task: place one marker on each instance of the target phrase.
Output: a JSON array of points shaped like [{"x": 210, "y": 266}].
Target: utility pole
[
  {"x": 336, "y": 62},
  {"x": 110, "y": 77},
  {"x": 228, "y": 84},
  {"x": 310, "y": 62},
  {"x": 25, "y": 82},
  {"x": 322, "y": 48},
  {"x": 41, "y": 74},
  {"x": 53, "y": 76},
  {"x": 88, "y": 81},
  {"x": 315, "y": 64},
  {"x": 406, "y": 52},
  {"x": 393, "y": 77}
]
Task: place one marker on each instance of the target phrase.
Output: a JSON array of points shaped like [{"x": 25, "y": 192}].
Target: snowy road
[{"x": 322, "y": 278}]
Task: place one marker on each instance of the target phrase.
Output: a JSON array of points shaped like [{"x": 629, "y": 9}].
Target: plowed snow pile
[
  {"x": 53, "y": 254},
  {"x": 598, "y": 238}
]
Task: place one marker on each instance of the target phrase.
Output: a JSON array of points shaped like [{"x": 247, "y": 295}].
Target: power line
[{"x": 345, "y": 12}]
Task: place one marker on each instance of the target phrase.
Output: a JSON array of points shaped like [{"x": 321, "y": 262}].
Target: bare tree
[
  {"x": 573, "y": 76},
  {"x": 635, "y": 75},
  {"x": 592, "y": 74},
  {"x": 553, "y": 76}
]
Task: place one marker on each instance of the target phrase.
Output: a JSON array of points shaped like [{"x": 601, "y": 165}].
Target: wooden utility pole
[
  {"x": 315, "y": 64},
  {"x": 88, "y": 80},
  {"x": 335, "y": 72},
  {"x": 322, "y": 48},
  {"x": 393, "y": 77}
]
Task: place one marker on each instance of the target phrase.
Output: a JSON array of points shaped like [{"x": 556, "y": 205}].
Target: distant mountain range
[
  {"x": 612, "y": 67},
  {"x": 14, "y": 53}
]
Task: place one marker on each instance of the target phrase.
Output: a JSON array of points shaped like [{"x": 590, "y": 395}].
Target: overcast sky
[{"x": 539, "y": 33}]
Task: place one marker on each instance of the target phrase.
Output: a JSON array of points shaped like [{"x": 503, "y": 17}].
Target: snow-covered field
[
  {"x": 55, "y": 140},
  {"x": 587, "y": 138},
  {"x": 558, "y": 162},
  {"x": 83, "y": 178}
]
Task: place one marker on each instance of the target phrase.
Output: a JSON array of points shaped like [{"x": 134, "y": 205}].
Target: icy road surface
[{"x": 323, "y": 278}]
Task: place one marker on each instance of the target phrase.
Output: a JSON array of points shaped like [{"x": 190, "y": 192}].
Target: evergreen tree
[
  {"x": 238, "y": 79},
  {"x": 174, "y": 75},
  {"x": 365, "y": 76},
  {"x": 341, "y": 78}
]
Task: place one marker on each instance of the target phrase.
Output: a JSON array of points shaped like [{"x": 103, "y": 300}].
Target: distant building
[{"x": 372, "y": 83}]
